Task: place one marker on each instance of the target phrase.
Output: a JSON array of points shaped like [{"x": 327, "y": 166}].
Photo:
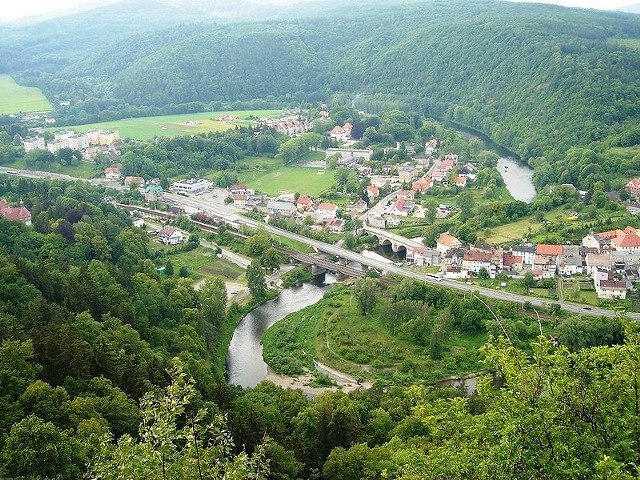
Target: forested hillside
[
  {"x": 105, "y": 373},
  {"x": 536, "y": 78}
]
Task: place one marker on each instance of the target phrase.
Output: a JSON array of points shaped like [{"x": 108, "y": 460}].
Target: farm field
[
  {"x": 145, "y": 128},
  {"x": 15, "y": 98},
  {"x": 306, "y": 181}
]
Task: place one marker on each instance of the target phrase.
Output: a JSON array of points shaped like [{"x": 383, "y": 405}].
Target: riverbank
[{"x": 343, "y": 382}]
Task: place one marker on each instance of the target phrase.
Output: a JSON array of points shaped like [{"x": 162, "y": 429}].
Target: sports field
[
  {"x": 306, "y": 181},
  {"x": 18, "y": 99},
  {"x": 145, "y": 128}
]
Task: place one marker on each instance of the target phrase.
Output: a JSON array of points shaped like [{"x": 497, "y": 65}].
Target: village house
[
  {"x": 545, "y": 263},
  {"x": 422, "y": 256},
  {"x": 18, "y": 214},
  {"x": 473, "y": 261},
  {"x": 238, "y": 189},
  {"x": 239, "y": 200},
  {"x": 447, "y": 242},
  {"x": 460, "y": 181},
  {"x": 135, "y": 181},
  {"x": 335, "y": 225},
  {"x": 358, "y": 208},
  {"x": 341, "y": 133},
  {"x": 628, "y": 241},
  {"x": 304, "y": 203},
  {"x": 374, "y": 219},
  {"x": 373, "y": 192},
  {"x": 407, "y": 173},
  {"x": 623, "y": 261},
  {"x": 607, "y": 287},
  {"x": 512, "y": 263},
  {"x": 170, "y": 236},
  {"x": 112, "y": 173},
  {"x": 422, "y": 184},
  {"x": 633, "y": 187},
  {"x": 597, "y": 261},
  {"x": 402, "y": 208},
  {"x": 278, "y": 207},
  {"x": 406, "y": 195},
  {"x": 469, "y": 171},
  {"x": 570, "y": 261},
  {"x": 527, "y": 252},
  {"x": 325, "y": 211}
]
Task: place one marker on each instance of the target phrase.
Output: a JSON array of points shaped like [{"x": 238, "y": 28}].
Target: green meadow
[
  {"x": 15, "y": 98},
  {"x": 145, "y": 128},
  {"x": 306, "y": 181}
]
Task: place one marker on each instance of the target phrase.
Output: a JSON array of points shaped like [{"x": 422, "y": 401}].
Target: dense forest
[{"x": 105, "y": 372}]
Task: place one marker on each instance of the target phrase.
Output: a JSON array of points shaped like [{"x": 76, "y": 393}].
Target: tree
[
  {"x": 36, "y": 449},
  {"x": 176, "y": 442},
  {"x": 213, "y": 296},
  {"x": 366, "y": 292},
  {"x": 168, "y": 268},
  {"x": 256, "y": 281},
  {"x": 270, "y": 260}
]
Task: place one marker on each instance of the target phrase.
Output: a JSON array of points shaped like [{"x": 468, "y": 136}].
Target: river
[
  {"x": 245, "y": 366},
  {"x": 517, "y": 177}
]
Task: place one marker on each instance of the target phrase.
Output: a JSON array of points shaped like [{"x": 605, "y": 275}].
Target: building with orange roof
[{"x": 446, "y": 242}]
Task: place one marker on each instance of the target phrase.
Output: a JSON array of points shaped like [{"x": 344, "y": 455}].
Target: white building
[
  {"x": 326, "y": 211},
  {"x": 527, "y": 252},
  {"x": 191, "y": 186},
  {"x": 170, "y": 236},
  {"x": 278, "y": 207},
  {"x": 32, "y": 143},
  {"x": 348, "y": 155}
]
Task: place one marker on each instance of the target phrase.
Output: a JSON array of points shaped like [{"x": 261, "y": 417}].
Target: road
[
  {"x": 379, "y": 265},
  {"x": 214, "y": 207}
]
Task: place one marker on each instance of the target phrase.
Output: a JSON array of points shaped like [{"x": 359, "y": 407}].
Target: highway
[
  {"x": 203, "y": 205},
  {"x": 228, "y": 211}
]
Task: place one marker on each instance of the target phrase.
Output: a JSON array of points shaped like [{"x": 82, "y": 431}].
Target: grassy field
[
  {"x": 335, "y": 333},
  {"x": 145, "y": 128},
  {"x": 202, "y": 263},
  {"x": 306, "y": 181},
  {"x": 18, "y": 99}
]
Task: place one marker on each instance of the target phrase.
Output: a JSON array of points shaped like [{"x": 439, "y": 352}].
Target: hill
[{"x": 537, "y": 79}]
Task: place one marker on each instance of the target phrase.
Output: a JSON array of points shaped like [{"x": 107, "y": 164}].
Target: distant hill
[
  {"x": 536, "y": 78},
  {"x": 633, "y": 8}
]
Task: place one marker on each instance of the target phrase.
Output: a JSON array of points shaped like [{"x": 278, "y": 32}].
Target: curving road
[
  {"x": 229, "y": 211},
  {"x": 382, "y": 266}
]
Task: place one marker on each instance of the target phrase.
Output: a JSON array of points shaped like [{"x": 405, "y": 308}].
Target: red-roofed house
[
  {"x": 18, "y": 214},
  {"x": 373, "y": 192},
  {"x": 628, "y": 241},
  {"x": 446, "y": 242},
  {"x": 238, "y": 189},
  {"x": 304, "y": 203},
  {"x": 406, "y": 195},
  {"x": 512, "y": 262},
  {"x": 170, "y": 236},
  {"x": 546, "y": 249},
  {"x": 422, "y": 184},
  {"x": 633, "y": 187},
  {"x": 112, "y": 173},
  {"x": 402, "y": 208},
  {"x": 461, "y": 181},
  {"x": 474, "y": 261},
  {"x": 239, "y": 200}
]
